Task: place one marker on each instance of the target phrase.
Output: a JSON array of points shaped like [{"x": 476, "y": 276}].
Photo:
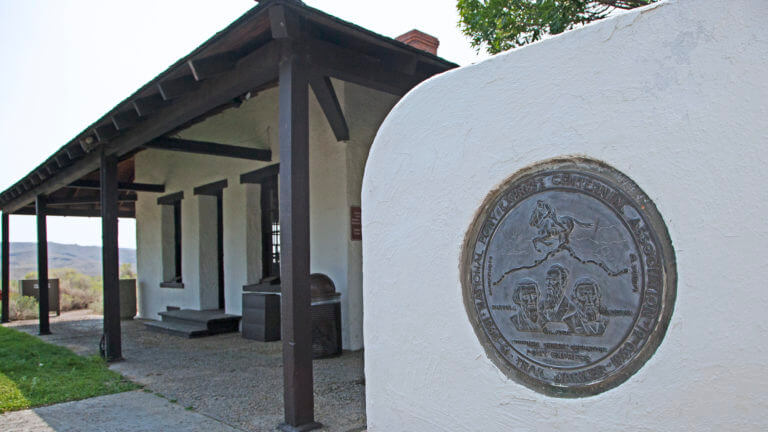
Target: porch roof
[{"x": 221, "y": 73}]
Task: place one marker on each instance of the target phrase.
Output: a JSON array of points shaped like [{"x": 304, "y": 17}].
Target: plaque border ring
[{"x": 489, "y": 334}]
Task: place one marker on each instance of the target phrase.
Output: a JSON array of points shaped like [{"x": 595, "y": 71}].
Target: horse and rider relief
[{"x": 562, "y": 291}]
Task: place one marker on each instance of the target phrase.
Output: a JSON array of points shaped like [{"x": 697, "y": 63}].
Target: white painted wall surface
[
  {"x": 335, "y": 181},
  {"x": 676, "y": 97}
]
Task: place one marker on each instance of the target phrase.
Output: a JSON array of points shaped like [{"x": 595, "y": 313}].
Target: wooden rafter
[
  {"x": 176, "y": 87},
  {"x": 208, "y": 148},
  {"x": 149, "y": 105},
  {"x": 138, "y": 187},
  {"x": 125, "y": 119},
  {"x": 208, "y": 67}
]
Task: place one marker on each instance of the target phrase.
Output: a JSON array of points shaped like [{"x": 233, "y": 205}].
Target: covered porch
[{"x": 237, "y": 174}]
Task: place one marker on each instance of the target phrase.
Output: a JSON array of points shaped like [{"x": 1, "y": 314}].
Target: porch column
[
  {"x": 6, "y": 286},
  {"x": 294, "y": 243},
  {"x": 110, "y": 263},
  {"x": 42, "y": 263}
]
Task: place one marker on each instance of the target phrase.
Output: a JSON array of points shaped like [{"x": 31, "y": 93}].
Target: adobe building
[{"x": 239, "y": 176}]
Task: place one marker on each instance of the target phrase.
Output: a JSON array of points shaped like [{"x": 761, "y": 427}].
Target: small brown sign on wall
[{"x": 356, "y": 223}]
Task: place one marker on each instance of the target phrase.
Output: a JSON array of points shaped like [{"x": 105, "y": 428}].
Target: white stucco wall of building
[
  {"x": 672, "y": 95},
  {"x": 335, "y": 180}
]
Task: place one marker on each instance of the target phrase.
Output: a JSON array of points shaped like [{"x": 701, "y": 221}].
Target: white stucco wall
[
  {"x": 335, "y": 180},
  {"x": 675, "y": 97}
]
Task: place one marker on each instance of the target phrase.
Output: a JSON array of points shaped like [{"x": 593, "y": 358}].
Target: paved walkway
[
  {"x": 130, "y": 411},
  {"x": 226, "y": 378}
]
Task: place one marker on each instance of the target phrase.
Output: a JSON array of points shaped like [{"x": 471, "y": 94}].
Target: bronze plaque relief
[{"x": 569, "y": 277}]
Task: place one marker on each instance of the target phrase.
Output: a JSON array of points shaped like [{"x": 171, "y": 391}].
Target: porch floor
[{"x": 236, "y": 381}]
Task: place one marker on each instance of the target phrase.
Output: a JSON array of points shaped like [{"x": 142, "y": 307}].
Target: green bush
[{"x": 22, "y": 307}]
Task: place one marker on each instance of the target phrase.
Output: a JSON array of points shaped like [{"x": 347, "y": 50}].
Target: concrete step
[
  {"x": 215, "y": 321},
  {"x": 189, "y": 330}
]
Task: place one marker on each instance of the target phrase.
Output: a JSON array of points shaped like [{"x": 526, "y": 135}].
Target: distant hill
[{"x": 85, "y": 259}]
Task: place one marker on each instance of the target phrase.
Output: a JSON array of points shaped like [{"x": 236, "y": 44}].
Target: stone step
[
  {"x": 201, "y": 316},
  {"x": 214, "y": 321},
  {"x": 189, "y": 330}
]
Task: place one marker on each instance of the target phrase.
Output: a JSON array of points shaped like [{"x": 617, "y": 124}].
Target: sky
[{"x": 68, "y": 62}]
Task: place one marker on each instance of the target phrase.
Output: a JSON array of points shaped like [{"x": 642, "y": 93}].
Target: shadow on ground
[{"x": 236, "y": 381}]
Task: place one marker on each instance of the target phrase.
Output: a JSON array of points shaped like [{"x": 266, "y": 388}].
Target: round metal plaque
[{"x": 569, "y": 277}]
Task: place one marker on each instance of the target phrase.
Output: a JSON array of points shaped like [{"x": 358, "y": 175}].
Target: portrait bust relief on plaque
[{"x": 569, "y": 277}]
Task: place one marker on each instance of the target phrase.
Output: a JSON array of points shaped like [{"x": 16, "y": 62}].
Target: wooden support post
[
  {"x": 109, "y": 253},
  {"x": 6, "y": 287},
  {"x": 42, "y": 264},
  {"x": 294, "y": 234}
]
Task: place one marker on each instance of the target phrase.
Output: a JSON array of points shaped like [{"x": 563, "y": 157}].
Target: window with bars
[
  {"x": 171, "y": 239},
  {"x": 276, "y": 242},
  {"x": 270, "y": 228}
]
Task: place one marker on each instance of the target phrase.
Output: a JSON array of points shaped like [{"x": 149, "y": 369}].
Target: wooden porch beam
[
  {"x": 138, "y": 187},
  {"x": 208, "y": 148},
  {"x": 87, "y": 212},
  {"x": 42, "y": 264},
  {"x": 109, "y": 258},
  {"x": 88, "y": 200},
  {"x": 329, "y": 102},
  {"x": 5, "y": 256},
  {"x": 294, "y": 236}
]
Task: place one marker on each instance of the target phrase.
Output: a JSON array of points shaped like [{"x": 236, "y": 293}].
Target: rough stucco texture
[{"x": 672, "y": 95}]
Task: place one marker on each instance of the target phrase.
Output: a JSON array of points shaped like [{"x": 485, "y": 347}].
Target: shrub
[
  {"x": 75, "y": 299},
  {"x": 22, "y": 307},
  {"x": 78, "y": 291},
  {"x": 97, "y": 307}
]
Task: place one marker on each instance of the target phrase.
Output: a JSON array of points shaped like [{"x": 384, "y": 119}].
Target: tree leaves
[{"x": 500, "y": 25}]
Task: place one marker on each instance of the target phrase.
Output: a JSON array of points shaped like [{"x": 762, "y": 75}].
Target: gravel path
[{"x": 225, "y": 377}]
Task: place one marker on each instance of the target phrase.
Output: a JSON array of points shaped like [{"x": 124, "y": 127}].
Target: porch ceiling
[{"x": 241, "y": 59}]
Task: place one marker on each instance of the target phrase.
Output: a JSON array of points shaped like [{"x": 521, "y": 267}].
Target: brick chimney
[{"x": 420, "y": 40}]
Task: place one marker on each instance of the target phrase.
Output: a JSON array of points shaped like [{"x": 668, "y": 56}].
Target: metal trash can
[
  {"x": 326, "y": 327},
  {"x": 326, "y": 316},
  {"x": 127, "y": 298},
  {"x": 261, "y": 314}
]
